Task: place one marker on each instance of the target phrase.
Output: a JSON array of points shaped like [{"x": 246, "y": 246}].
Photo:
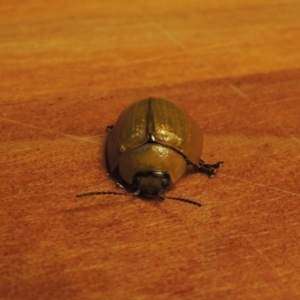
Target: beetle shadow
[{"x": 120, "y": 184}]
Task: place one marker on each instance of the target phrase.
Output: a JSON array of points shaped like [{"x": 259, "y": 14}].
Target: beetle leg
[
  {"x": 109, "y": 128},
  {"x": 161, "y": 195},
  {"x": 136, "y": 193},
  {"x": 120, "y": 185},
  {"x": 209, "y": 169}
]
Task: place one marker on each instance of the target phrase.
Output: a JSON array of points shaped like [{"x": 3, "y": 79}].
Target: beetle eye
[{"x": 165, "y": 182}]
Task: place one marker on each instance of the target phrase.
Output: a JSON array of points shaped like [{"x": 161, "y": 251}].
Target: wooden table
[{"x": 67, "y": 70}]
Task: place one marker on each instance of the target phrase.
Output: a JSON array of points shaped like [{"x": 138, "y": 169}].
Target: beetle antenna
[
  {"x": 136, "y": 193},
  {"x": 185, "y": 200},
  {"x": 107, "y": 193}
]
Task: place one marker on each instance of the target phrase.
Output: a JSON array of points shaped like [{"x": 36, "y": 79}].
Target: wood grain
[{"x": 68, "y": 69}]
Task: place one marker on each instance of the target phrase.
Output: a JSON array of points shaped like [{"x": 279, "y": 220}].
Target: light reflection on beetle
[{"x": 151, "y": 145}]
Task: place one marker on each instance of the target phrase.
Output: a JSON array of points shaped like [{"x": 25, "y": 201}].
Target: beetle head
[{"x": 151, "y": 184}]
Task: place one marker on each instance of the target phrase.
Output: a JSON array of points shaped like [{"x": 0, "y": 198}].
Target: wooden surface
[{"x": 68, "y": 68}]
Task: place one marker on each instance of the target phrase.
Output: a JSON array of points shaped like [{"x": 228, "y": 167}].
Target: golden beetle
[{"x": 151, "y": 145}]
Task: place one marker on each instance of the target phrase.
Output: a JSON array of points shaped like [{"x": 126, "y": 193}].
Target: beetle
[{"x": 151, "y": 145}]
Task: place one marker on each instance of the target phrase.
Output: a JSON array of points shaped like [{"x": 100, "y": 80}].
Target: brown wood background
[{"x": 67, "y": 69}]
